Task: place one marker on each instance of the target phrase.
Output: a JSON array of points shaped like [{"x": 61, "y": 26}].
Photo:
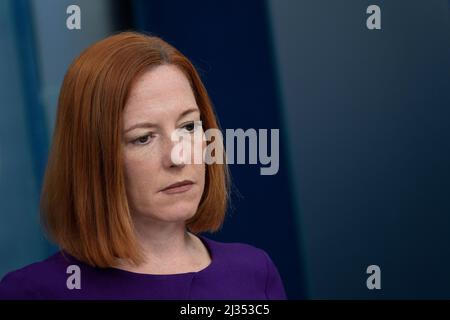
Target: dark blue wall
[
  {"x": 368, "y": 114},
  {"x": 229, "y": 42}
]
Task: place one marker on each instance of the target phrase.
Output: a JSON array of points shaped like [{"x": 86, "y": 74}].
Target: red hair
[{"x": 84, "y": 207}]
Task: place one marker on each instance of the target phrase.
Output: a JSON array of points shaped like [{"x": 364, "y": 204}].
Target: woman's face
[{"x": 160, "y": 102}]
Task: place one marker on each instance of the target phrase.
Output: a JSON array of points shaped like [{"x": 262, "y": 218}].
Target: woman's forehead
[
  {"x": 161, "y": 82},
  {"x": 163, "y": 91}
]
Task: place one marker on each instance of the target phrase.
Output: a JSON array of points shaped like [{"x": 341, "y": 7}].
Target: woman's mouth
[{"x": 178, "y": 187}]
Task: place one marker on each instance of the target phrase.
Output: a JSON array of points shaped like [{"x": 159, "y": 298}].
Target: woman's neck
[{"x": 168, "y": 248}]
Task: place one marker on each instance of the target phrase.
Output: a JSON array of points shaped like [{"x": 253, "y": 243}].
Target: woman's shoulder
[
  {"x": 241, "y": 255},
  {"x": 236, "y": 251},
  {"x": 246, "y": 262},
  {"x": 30, "y": 282}
]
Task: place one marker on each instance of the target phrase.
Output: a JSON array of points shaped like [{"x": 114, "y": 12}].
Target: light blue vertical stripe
[
  {"x": 29, "y": 72},
  {"x": 37, "y": 129}
]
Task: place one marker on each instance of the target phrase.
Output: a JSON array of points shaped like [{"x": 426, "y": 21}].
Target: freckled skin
[{"x": 159, "y": 96}]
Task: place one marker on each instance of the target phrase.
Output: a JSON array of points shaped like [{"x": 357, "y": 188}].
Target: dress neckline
[{"x": 211, "y": 265}]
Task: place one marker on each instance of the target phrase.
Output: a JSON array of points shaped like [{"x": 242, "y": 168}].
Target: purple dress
[{"x": 237, "y": 271}]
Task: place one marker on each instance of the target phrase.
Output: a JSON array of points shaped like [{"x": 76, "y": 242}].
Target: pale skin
[{"x": 163, "y": 97}]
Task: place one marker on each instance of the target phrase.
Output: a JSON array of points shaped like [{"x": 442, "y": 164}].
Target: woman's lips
[{"x": 178, "y": 187}]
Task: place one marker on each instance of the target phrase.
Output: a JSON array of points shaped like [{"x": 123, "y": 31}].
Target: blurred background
[{"x": 363, "y": 115}]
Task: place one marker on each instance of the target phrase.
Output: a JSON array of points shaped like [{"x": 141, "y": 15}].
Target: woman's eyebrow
[
  {"x": 141, "y": 125},
  {"x": 188, "y": 111},
  {"x": 152, "y": 125}
]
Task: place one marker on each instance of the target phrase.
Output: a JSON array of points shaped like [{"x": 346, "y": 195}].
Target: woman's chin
[
  {"x": 176, "y": 217},
  {"x": 173, "y": 214}
]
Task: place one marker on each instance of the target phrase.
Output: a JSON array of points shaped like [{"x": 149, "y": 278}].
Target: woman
[{"x": 125, "y": 209}]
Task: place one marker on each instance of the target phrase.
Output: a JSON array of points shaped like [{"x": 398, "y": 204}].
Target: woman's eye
[
  {"x": 142, "y": 140},
  {"x": 192, "y": 126}
]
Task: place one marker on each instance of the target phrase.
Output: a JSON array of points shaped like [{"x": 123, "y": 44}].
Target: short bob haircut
[{"x": 84, "y": 205}]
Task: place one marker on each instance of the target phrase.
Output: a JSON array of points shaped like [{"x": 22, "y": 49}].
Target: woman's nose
[{"x": 175, "y": 151}]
